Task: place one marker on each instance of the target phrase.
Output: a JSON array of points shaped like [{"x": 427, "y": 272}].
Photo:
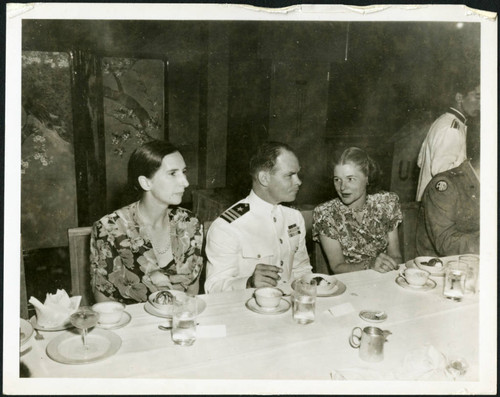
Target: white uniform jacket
[
  {"x": 250, "y": 232},
  {"x": 443, "y": 148}
]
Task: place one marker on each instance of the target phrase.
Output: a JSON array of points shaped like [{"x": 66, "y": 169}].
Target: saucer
[
  {"x": 369, "y": 315},
  {"x": 39, "y": 327},
  {"x": 430, "y": 284},
  {"x": 283, "y": 306},
  {"x": 155, "y": 312},
  {"x": 66, "y": 348},
  {"x": 126, "y": 317},
  {"x": 25, "y": 331}
]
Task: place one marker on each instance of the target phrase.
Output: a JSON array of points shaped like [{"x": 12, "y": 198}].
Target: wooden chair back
[
  {"x": 24, "y": 295},
  {"x": 319, "y": 262},
  {"x": 79, "y": 257},
  {"x": 407, "y": 230}
]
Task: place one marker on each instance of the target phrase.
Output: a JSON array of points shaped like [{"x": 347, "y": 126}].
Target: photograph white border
[{"x": 16, "y": 13}]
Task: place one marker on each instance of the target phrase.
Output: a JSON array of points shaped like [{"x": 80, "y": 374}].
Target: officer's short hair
[
  {"x": 146, "y": 160},
  {"x": 265, "y": 157},
  {"x": 464, "y": 85},
  {"x": 367, "y": 164}
]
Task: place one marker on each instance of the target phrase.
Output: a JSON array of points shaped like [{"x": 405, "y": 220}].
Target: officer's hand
[
  {"x": 264, "y": 276},
  {"x": 384, "y": 263}
]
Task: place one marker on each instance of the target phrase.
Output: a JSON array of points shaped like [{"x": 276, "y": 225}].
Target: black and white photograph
[{"x": 231, "y": 199}]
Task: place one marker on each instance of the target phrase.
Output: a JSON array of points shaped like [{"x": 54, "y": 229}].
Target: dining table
[{"x": 234, "y": 342}]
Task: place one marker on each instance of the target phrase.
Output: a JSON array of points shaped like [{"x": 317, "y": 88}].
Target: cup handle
[{"x": 355, "y": 343}]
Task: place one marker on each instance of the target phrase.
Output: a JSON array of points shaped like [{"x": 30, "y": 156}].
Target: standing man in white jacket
[
  {"x": 444, "y": 147},
  {"x": 258, "y": 242}
]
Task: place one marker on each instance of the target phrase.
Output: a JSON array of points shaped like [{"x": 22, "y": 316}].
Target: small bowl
[
  {"x": 109, "y": 312},
  {"x": 415, "y": 277},
  {"x": 436, "y": 270},
  {"x": 167, "y": 309},
  {"x": 268, "y": 297}
]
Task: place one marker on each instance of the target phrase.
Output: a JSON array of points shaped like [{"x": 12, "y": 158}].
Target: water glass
[
  {"x": 472, "y": 264},
  {"x": 184, "y": 320},
  {"x": 454, "y": 280},
  {"x": 304, "y": 300}
]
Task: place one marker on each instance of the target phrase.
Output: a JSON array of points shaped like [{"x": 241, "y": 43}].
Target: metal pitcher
[{"x": 370, "y": 341}]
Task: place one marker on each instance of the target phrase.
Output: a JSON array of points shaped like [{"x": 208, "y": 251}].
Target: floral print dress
[
  {"x": 360, "y": 241},
  {"x": 123, "y": 264}
]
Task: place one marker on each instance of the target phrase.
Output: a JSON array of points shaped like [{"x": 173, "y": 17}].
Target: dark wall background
[{"x": 320, "y": 86}]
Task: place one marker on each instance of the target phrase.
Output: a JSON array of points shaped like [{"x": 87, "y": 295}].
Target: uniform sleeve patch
[
  {"x": 235, "y": 212},
  {"x": 441, "y": 186}
]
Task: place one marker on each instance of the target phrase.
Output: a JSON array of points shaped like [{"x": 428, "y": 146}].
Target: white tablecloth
[{"x": 275, "y": 347}]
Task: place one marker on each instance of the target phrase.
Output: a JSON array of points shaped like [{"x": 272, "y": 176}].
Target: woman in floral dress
[
  {"x": 151, "y": 244},
  {"x": 358, "y": 230}
]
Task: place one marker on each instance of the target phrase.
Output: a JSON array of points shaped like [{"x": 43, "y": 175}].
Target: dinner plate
[
  {"x": 158, "y": 313},
  {"x": 42, "y": 328},
  {"x": 370, "y": 315},
  {"x": 124, "y": 320},
  {"x": 334, "y": 288},
  {"x": 252, "y": 305},
  {"x": 430, "y": 284},
  {"x": 25, "y": 331},
  {"x": 66, "y": 348}
]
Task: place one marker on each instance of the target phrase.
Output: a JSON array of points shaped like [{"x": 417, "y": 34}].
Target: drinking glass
[
  {"x": 84, "y": 318},
  {"x": 184, "y": 320},
  {"x": 472, "y": 264},
  {"x": 304, "y": 300},
  {"x": 454, "y": 280}
]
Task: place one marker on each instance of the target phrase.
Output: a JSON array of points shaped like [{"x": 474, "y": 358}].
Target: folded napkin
[
  {"x": 211, "y": 331},
  {"x": 424, "y": 363},
  {"x": 56, "y": 309},
  {"x": 341, "y": 310},
  {"x": 361, "y": 374}
]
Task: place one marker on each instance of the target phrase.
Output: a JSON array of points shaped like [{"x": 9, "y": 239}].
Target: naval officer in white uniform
[{"x": 258, "y": 242}]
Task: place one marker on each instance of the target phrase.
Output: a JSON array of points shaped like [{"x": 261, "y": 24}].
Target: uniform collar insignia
[{"x": 459, "y": 115}]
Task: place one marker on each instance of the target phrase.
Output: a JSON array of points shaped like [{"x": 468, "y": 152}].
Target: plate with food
[
  {"x": 326, "y": 285},
  {"x": 161, "y": 303},
  {"x": 434, "y": 265}
]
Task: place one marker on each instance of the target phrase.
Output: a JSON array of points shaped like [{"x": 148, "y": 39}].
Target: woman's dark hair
[
  {"x": 368, "y": 166},
  {"x": 146, "y": 160},
  {"x": 265, "y": 157}
]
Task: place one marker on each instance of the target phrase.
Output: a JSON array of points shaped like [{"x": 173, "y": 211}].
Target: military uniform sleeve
[
  {"x": 223, "y": 251},
  {"x": 301, "y": 261},
  {"x": 440, "y": 209},
  {"x": 446, "y": 151}
]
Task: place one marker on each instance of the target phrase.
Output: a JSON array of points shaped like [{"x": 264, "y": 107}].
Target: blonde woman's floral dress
[
  {"x": 124, "y": 266},
  {"x": 359, "y": 241}
]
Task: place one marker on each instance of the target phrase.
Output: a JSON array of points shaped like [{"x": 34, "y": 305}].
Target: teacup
[
  {"x": 109, "y": 312},
  {"x": 268, "y": 297},
  {"x": 415, "y": 277}
]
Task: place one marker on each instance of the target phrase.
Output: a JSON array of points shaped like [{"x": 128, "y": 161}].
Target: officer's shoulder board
[
  {"x": 235, "y": 212},
  {"x": 455, "y": 124}
]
